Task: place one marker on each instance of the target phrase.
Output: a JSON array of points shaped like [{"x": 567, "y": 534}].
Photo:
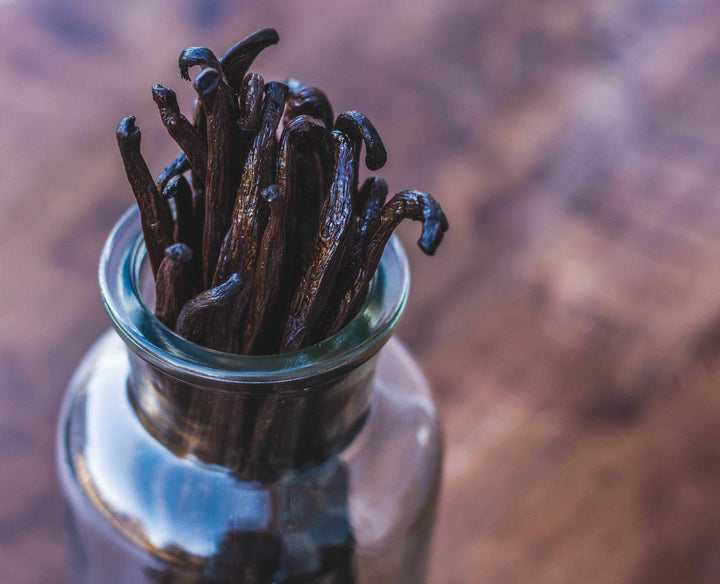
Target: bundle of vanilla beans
[{"x": 271, "y": 244}]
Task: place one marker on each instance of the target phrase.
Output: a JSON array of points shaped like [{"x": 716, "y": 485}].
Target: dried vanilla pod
[
  {"x": 250, "y": 97},
  {"x": 194, "y": 315},
  {"x": 219, "y": 177},
  {"x": 236, "y": 62},
  {"x": 240, "y": 246},
  {"x": 361, "y": 129},
  {"x": 302, "y": 140},
  {"x": 309, "y": 101},
  {"x": 157, "y": 223},
  {"x": 181, "y": 129},
  {"x": 370, "y": 200},
  {"x": 179, "y": 190},
  {"x": 317, "y": 282},
  {"x": 170, "y": 284},
  {"x": 268, "y": 271},
  {"x": 414, "y": 205},
  {"x": 177, "y": 167}
]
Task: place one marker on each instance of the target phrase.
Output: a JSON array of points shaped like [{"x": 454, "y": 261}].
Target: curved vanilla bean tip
[
  {"x": 164, "y": 97},
  {"x": 310, "y": 101},
  {"x": 127, "y": 131},
  {"x": 412, "y": 204},
  {"x": 201, "y": 56},
  {"x": 177, "y": 167},
  {"x": 180, "y": 129},
  {"x": 236, "y": 62},
  {"x": 192, "y": 318},
  {"x": 207, "y": 81},
  {"x": 179, "y": 252},
  {"x": 359, "y": 127},
  {"x": 176, "y": 186},
  {"x": 435, "y": 224}
]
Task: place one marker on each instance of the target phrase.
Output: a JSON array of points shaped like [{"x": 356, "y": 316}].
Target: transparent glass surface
[{"x": 183, "y": 464}]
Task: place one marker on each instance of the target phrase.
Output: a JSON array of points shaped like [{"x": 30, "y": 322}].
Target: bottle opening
[{"x": 121, "y": 285}]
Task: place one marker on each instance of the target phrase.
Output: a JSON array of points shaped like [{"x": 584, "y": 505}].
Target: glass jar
[{"x": 183, "y": 464}]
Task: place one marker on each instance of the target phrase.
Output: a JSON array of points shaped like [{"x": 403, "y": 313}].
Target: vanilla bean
[
  {"x": 192, "y": 318},
  {"x": 361, "y": 129},
  {"x": 157, "y": 223},
  {"x": 251, "y": 94},
  {"x": 197, "y": 56},
  {"x": 181, "y": 130},
  {"x": 310, "y": 101},
  {"x": 239, "y": 250},
  {"x": 179, "y": 190},
  {"x": 219, "y": 177},
  {"x": 178, "y": 166},
  {"x": 205, "y": 59},
  {"x": 371, "y": 198},
  {"x": 414, "y": 205},
  {"x": 240, "y": 246},
  {"x": 302, "y": 135},
  {"x": 170, "y": 284},
  {"x": 266, "y": 283},
  {"x": 299, "y": 179},
  {"x": 328, "y": 250},
  {"x": 237, "y": 60}
]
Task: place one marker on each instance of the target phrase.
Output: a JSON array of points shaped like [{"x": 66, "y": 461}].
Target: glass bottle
[{"x": 186, "y": 465}]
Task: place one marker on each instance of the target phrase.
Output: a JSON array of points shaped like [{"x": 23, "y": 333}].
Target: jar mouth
[{"x": 120, "y": 264}]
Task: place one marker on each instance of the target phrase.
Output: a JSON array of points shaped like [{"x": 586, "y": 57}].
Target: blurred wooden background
[{"x": 570, "y": 322}]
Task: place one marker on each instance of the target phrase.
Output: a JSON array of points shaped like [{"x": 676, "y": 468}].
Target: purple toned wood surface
[{"x": 570, "y": 321}]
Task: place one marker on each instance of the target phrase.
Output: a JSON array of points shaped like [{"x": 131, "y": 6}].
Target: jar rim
[{"x": 120, "y": 263}]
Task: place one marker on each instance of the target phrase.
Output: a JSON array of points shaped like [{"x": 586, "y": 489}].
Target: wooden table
[{"x": 570, "y": 322}]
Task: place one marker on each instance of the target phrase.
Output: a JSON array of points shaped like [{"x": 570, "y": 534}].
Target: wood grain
[{"x": 570, "y": 321}]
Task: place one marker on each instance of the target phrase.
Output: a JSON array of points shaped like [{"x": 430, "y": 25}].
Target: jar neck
[
  {"x": 257, "y": 431},
  {"x": 256, "y": 415}
]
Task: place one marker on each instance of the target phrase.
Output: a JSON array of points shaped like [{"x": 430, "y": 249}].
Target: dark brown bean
[
  {"x": 157, "y": 223},
  {"x": 251, "y": 94},
  {"x": 414, "y": 205},
  {"x": 181, "y": 129},
  {"x": 192, "y": 318},
  {"x": 197, "y": 56},
  {"x": 179, "y": 190},
  {"x": 361, "y": 129},
  {"x": 266, "y": 283},
  {"x": 236, "y": 62},
  {"x": 239, "y": 250},
  {"x": 178, "y": 166},
  {"x": 310, "y": 101},
  {"x": 302, "y": 136},
  {"x": 371, "y": 198},
  {"x": 328, "y": 250},
  {"x": 240, "y": 246},
  {"x": 170, "y": 284},
  {"x": 299, "y": 176},
  {"x": 219, "y": 180}
]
